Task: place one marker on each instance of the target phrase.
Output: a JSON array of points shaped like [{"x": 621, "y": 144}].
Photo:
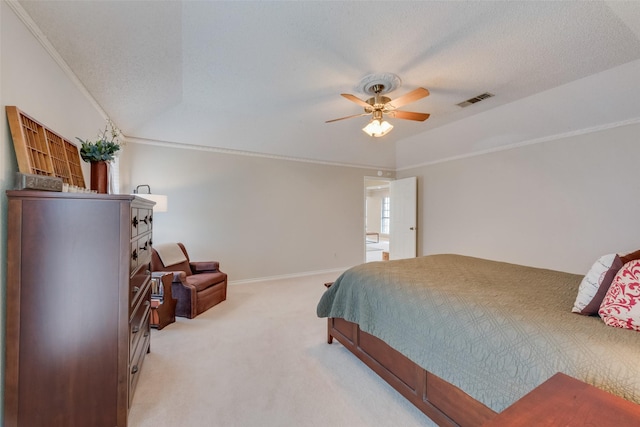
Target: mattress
[{"x": 493, "y": 329}]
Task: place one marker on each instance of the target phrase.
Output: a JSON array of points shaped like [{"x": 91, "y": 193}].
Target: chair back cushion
[
  {"x": 170, "y": 254},
  {"x": 170, "y": 257}
]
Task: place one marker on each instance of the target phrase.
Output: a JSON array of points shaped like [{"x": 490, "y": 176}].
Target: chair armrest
[
  {"x": 178, "y": 276},
  {"x": 204, "y": 266}
]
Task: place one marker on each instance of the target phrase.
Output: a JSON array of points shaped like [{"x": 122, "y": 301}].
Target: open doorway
[
  {"x": 390, "y": 218},
  {"x": 377, "y": 218}
]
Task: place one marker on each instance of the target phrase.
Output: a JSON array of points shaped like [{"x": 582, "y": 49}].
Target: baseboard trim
[{"x": 287, "y": 276}]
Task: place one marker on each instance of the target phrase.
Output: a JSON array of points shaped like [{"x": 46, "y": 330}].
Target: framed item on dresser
[{"x": 41, "y": 151}]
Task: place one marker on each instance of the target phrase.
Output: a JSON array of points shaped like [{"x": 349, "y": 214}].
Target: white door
[{"x": 403, "y": 231}]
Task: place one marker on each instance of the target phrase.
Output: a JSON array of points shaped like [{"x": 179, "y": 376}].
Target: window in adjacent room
[{"x": 384, "y": 221}]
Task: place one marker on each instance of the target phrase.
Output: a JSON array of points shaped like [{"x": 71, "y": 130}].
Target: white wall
[
  {"x": 260, "y": 217},
  {"x": 31, "y": 80},
  {"x": 558, "y": 204}
]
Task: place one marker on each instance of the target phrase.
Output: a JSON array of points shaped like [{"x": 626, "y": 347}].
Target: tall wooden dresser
[{"x": 78, "y": 303}]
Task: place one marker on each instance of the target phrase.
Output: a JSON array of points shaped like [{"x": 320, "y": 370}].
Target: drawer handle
[
  {"x": 150, "y": 219},
  {"x": 134, "y": 369},
  {"x": 144, "y": 248},
  {"x": 145, "y": 219},
  {"x": 135, "y": 290},
  {"x": 134, "y": 254},
  {"x": 134, "y": 222},
  {"x": 135, "y": 329}
]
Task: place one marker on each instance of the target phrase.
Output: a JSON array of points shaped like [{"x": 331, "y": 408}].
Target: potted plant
[{"x": 99, "y": 153}]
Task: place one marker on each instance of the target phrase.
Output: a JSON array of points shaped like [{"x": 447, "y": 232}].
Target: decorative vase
[{"x": 100, "y": 177}]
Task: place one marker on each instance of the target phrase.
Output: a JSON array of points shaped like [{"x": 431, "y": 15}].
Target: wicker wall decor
[{"x": 41, "y": 151}]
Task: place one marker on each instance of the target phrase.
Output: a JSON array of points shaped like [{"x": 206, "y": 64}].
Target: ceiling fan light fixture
[{"x": 377, "y": 128}]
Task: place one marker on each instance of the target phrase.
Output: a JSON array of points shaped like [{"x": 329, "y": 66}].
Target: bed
[{"x": 463, "y": 338}]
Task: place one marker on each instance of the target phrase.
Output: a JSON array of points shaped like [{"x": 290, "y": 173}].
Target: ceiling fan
[{"x": 379, "y": 105}]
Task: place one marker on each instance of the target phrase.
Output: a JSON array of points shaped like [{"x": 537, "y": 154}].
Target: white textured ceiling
[{"x": 264, "y": 76}]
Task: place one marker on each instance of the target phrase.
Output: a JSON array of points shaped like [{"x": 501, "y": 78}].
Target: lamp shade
[{"x": 162, "y": 202}]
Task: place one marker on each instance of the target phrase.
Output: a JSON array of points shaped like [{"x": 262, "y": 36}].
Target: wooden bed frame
[{"x": 444, "y": 403}]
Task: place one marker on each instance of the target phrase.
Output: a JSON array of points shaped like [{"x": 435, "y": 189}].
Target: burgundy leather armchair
[{"x": 197, "y": 286}]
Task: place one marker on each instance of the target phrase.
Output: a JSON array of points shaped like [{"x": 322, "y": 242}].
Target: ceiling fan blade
[
  {"x": 355, "y": 99},
  {"x": 408, "y": 98},
  {"x": 409, "y": 115},
  {"x": 348, "y": 117}
]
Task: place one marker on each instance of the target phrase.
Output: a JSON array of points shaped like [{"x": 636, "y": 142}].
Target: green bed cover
[{"x": 494, "y": 329}]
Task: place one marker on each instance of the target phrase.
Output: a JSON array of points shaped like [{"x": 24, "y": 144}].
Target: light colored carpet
[{"x": 261, "y": 359}]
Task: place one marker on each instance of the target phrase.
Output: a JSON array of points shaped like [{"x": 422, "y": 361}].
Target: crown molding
[
  {"x": 169, "y": 144},
  {"x": 554, "y": 137},
  {"x": 53, "y": 53}
]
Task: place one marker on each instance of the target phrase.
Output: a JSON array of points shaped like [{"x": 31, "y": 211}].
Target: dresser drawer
[
  {"x": 136, "y": 362},
  {"x": 145, "y": 218},
  {"x": 139, "y": 323},
  {"x": 139, "y": 283},
  {"x": 140, "y": 252},
  {"x": 134, "y": 222},
  {"x": 144, "y": 249},
  {"x": 133, "y": 256},
  {"x": 141, "y": 220}
]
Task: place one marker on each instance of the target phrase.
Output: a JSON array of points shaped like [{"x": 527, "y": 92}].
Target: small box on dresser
[{"x": 78, "y": 303}]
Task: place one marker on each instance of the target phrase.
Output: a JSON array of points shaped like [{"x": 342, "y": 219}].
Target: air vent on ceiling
[{"x": 475, "y": 99}]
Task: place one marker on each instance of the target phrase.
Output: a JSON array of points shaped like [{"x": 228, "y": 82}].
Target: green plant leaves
[
  {"x": 98, "y": 151},
  {"x": 106, "y": 146}
]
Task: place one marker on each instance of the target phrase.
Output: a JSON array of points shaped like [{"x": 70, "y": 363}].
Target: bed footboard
[{"x": 441, "y": 401}]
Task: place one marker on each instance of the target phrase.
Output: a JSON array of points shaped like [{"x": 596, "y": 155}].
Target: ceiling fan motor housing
[{"x": 376, "y": 104}]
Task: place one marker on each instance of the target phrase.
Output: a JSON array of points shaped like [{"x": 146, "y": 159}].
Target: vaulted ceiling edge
[{"x": 55, "y": 55}]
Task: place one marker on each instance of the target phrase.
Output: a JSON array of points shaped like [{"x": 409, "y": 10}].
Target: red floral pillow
[{"x": 621, "y": 304}]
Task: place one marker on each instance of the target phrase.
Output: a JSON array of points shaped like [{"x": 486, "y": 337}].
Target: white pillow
[
  {"x": 621, "y": 304},
  {"x": 595, "y": 284}
]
